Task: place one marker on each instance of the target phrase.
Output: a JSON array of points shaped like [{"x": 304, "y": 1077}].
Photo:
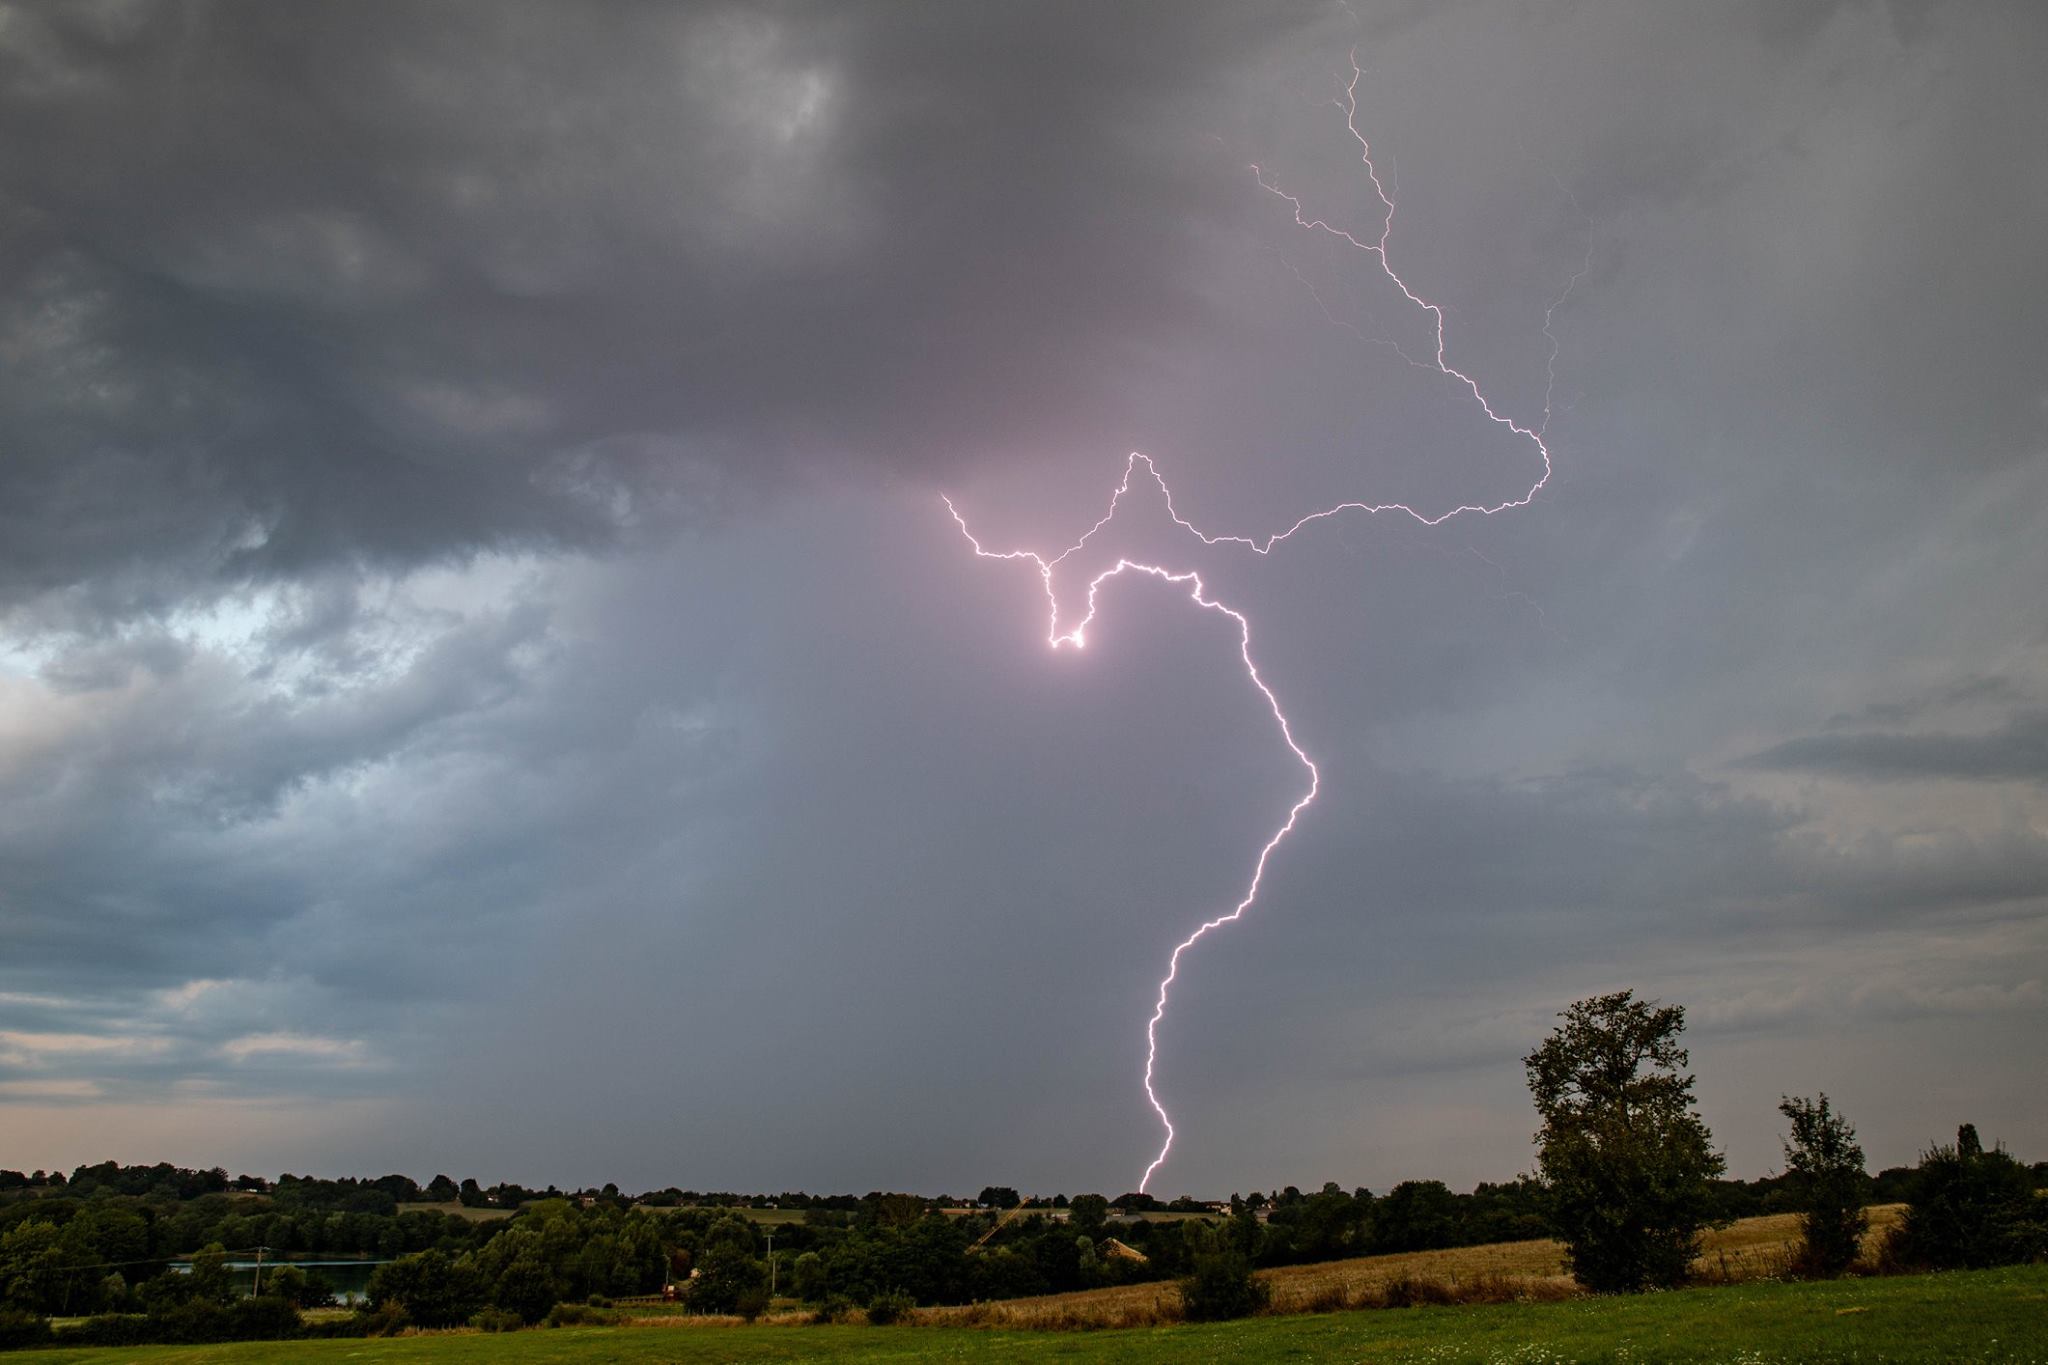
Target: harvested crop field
[{"x": 1749, "y": 1249}]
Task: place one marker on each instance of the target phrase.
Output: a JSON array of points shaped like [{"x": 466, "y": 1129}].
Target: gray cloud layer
[{"x": 478, "y": 640}]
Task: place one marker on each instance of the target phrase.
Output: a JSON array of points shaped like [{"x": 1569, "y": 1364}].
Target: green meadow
[{"x": 1988, "y": 1316}]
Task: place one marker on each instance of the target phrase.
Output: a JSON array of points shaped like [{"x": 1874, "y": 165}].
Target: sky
[{"x": 489, "y": 683}]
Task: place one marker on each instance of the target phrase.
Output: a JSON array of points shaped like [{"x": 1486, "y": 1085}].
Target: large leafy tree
[
  {"x": 725, "y": 1276},
  {"x": 1088, "y": 1213},
  {"x": 1623, "y": 1155},
  {"x": 434, "y": 1288},
  {"x": 1826, "y": 1166},
  {"x": 1416, "y": 1215}
]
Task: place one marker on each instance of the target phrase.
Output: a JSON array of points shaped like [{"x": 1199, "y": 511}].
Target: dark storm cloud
[
  {"x": 2016, "y": 751},
  {"x": 294, "y": 286}
]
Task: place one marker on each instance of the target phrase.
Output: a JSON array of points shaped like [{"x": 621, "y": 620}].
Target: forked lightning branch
[{"x": 1376, "y": 245}]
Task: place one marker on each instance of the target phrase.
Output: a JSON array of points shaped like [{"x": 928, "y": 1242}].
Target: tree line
[
  {"x": 1628, "y": 1169},
  {"x": 1627, "y": 1177}
]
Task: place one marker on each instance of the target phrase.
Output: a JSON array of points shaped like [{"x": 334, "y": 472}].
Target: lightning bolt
[{"x": 1076, "y": 636}]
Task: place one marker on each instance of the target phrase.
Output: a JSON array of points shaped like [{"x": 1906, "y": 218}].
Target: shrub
[
  {"x": 497, "y": 1320},
  {"x": 1413, "y": 1291},
  {"x": 354, "y": 1325},
  {"x": 890, "y": 1306},
  {"x": 112, "y": 1329},
  {"x": 1970, "y": 1208},
  {"x": 580, "y": 1315},
  {"x": 384, "y": 1320},
  {"x": 263, "y": 1319},
  {"x": 197, "y": 1321},
  {"x": 835, "y": 1308},
  {"x": 1222, "y": 1287},
  {"x": 19, "y": 1329},
  {"x": 752, "y": 1303}
]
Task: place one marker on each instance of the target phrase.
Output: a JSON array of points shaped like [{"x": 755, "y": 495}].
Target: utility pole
[
  {"x": 257, "y": 1291},
  {"x": 771, "y": 1263}
]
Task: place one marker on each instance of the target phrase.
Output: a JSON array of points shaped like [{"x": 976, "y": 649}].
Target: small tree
[
  {"x": 1828, "y": 1180},
  {"x": 1625, "y": 1158},
  {"x": 320, "y": 1292},
  {"x": 210, "y": 1278},
  {"x": 1086, "y": 1260},
  {"x": 287, "y": 1282},
  {"x": 808, "y": 1277},
  {"x": 1242, "y": 1232},
  {"x": 527, "y": 1286}
]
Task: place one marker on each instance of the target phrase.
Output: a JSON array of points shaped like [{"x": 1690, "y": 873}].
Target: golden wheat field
[{"x": 1749, "y": 1249}]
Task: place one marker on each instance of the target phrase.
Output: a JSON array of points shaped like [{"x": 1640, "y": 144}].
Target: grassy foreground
[{"x": 1986, "y": 1316}]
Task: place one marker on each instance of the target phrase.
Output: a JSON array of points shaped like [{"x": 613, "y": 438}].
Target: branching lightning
[{"x": 1076, "y": 636}]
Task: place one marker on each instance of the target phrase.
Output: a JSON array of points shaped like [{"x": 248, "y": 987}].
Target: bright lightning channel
[{"x": 1077, "y": 635}]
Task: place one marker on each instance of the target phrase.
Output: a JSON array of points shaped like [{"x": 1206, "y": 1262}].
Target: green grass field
[
  {"x": 1981, "y": 1316},
  {"x": 485, "y": 1215}
]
